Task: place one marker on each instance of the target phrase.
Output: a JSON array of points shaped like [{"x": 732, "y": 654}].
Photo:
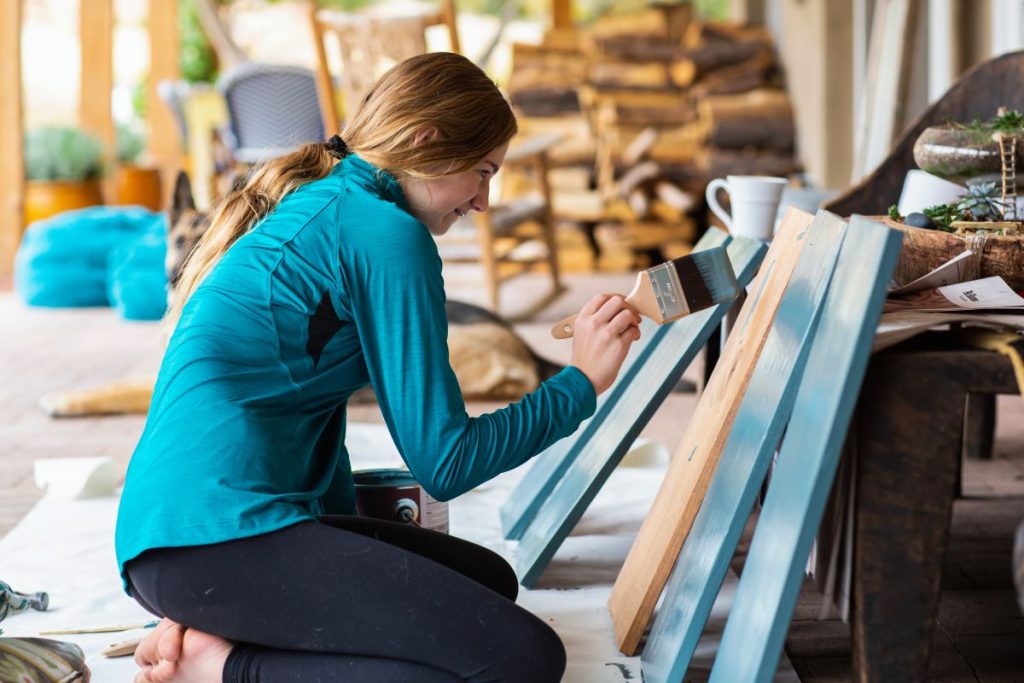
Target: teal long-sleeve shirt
[{"x": 340, "y": 286}]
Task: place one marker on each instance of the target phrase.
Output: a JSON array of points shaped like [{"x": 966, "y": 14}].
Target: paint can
[{"x": 394, "y": 495}]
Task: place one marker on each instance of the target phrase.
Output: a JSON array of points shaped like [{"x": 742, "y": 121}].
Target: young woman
[{"x": 237, "y": 518}]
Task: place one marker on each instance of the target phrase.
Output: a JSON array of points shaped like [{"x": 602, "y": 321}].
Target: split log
[
  {"x": 546, "y": 101},
  {"x": 737, "y": 77},
  {"x": 638, "y": 49},
  {"x": 639, "y": 203},
  {"x": 639, "y": 146},
  {"x": 672, "y": 195},
  {"x": 651, "y": 75},
  {"x": 635, "y": 177},
  {"x": 718, "y": 163},
  {"x": 712, "y": 55},
  {"x": 761, "y": 118}
]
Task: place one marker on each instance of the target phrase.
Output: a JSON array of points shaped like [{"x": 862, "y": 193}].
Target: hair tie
[{"x": 337, "y": 147}]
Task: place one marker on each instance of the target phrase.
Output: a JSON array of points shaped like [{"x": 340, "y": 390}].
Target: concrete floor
[{"x": 980, "y": 634}]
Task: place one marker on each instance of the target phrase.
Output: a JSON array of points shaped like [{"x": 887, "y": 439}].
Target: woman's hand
[{"x": 602, "y": 333}]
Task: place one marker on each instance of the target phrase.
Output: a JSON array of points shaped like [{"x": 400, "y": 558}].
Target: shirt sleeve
[{"x": 396, "y": 293}]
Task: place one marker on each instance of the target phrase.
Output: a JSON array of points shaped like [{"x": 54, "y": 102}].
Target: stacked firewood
[{"x": 670, "y": 102}]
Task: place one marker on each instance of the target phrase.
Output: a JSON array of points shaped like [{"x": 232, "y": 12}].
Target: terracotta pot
[
  {"x": 44, "y": 198},
  {"x": 137, "y": 186}
]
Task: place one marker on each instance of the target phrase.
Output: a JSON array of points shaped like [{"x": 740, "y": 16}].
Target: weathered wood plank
[
  {"x": 657, "y": 544},
  {"x": 760, "y": 421},
  {"x": 773, "y": 572},
  {"x": 652, "y": 378}
]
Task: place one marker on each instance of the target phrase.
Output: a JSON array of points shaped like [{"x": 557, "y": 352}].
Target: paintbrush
[{"x": 676, "y": 288}]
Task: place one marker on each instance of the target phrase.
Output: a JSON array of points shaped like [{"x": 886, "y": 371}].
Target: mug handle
[{"x": 711, "y": 195}]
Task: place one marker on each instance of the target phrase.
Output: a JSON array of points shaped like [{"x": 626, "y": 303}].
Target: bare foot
[{"x": 174, "y": 654}]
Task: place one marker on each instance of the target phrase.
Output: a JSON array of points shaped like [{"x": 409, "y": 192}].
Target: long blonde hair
[{"x": 441, "y": 90}]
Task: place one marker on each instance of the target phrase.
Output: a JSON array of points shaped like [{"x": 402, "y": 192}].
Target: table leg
[{"x": 909, "y": 431}]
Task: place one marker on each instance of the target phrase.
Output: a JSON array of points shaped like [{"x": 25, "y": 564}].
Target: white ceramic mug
[{"x": 755, "y": 201}]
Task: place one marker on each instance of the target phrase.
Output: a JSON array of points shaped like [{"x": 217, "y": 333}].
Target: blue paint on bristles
[{"x": 699, "y": 280}]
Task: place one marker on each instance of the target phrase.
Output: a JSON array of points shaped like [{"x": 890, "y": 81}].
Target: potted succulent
[
  {"x": 62, "y": 169},
  {"x": 135, "y": 183}
]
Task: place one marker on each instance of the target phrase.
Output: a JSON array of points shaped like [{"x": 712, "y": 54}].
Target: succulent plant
[{"x": 983, "y": 202}]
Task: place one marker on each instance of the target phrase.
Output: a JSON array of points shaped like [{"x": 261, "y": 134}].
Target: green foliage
[
  {"x": 130, "y": 143},
  {"x": 56, "y": 153},
  {"x": 197, "y": 59},
  {"x": 943, "y": 216},
  {"x": 1010, "y": 122},
  {"x": 894, "y": 213}
]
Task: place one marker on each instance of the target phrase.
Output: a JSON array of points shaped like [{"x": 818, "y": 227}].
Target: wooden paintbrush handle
[{"x": 563, "y": 329}]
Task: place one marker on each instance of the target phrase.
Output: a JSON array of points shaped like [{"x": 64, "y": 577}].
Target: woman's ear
[{"x": 425, "y": 135}]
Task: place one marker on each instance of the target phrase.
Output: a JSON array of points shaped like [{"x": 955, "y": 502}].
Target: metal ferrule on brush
[{"x": 668, "y": 291}]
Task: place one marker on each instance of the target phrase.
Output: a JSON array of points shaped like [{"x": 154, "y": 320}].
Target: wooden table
[{"x": 908, "y": 430}]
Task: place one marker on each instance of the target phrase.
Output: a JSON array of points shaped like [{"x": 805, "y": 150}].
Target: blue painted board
[
  {"x": 574, "y": 491},
  {"x": 774, "y": 570},
  {"x": 520, "y": 508},
  {"x": 756, "y": 431}
]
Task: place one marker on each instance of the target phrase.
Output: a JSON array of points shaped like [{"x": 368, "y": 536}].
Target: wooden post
[
  {"x": 561, "y": 15},
  {"x": 96, "y": 26},
  {"x": 163, "y": 141},
  {"x": 12, "y": 175}
]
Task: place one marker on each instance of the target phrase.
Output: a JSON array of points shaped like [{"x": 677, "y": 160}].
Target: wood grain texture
[
  {"x": 661, "y": 536},
  {"x": 97, "y": 73},
  {"x": 908, "y": 438},
  {"x": 774, "y": 570},
  {"x": 521, "y": 506},
  {"x": 162, "y": 137},
  {"x": 924, "y": 250},
  {"x": 760, "y": 421},
  {"x": 653, "y": 378},
  {"x": 12, "y": 164}
]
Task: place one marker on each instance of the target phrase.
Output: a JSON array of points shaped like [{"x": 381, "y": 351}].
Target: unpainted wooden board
[
  {"x": 588, "y": 473},
  {"x": 799, "y": 487},
  {"x": 665, "y": 527},
  {"x": 533, "y": 489},
  {"x": 762, "y": 416}
]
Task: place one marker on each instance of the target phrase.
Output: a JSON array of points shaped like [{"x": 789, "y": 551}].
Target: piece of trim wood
[
  {"x": 657, "y": 544},
  {"x": 774, "y": 570},
  {"x": 764, "y": 410}
]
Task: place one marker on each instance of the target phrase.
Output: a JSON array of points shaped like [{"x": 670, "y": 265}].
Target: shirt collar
[{"x": 373, "y": 179}]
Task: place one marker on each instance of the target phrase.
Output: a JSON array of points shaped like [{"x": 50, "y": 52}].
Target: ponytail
[{"x": 241, "y": 210}]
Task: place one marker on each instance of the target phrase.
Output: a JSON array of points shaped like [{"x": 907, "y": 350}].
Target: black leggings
[{"x": 352, "y": 599}]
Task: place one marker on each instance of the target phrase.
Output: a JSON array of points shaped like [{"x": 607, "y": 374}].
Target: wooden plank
[
  {"x": 162, "y": 138},
  {"x": 521, "y": 507},
  {"x": 12, "y": 175},
  {"x": 655, "y": 377},
  {"x": 757, "y": 430},
  {"x": 800, "y": 484},
  {"x": 97, "y": 73},
  {"x": 661, "y": 536}
]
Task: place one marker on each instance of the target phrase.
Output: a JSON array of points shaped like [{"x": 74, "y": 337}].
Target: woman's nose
[{"x": 482, "y": 199}]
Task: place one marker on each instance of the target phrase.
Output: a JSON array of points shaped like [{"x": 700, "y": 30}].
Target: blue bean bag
[
  {"x": 136, "y": 280},
  {"x": 64, "y": 261}
]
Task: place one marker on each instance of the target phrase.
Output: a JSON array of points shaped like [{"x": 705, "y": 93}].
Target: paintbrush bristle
[{"x": 694, "y": 282}]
